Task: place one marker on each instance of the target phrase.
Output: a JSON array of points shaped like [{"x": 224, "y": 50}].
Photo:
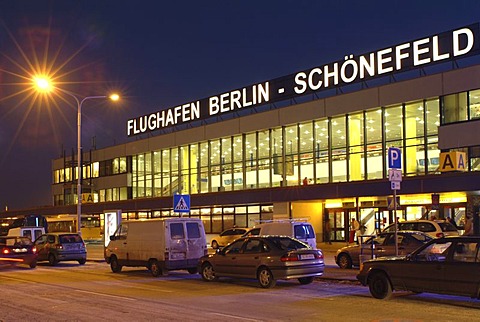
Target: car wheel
[
  {"x": 214, "y": 244},
  {"x": 208, "y": 273},
  {"x": 192, "y": 270},
  {"x": 380, "y": 286},
  {"x": 33, "y": 264},
  {"x": 114, "y": 265},
  {"x": 265, "y": 278},
  {"x": 305, "y": 280},
  {"x": 82, "y": 261},
  {"x": 344, "y": 261},
  {"x": 52, "y": 260},
  {"x": 155, "y": 268}
]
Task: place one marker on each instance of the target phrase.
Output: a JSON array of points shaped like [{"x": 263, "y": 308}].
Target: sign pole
[
  {"x": 396, "y": 220},
  {"x": 395, "y": 177}
]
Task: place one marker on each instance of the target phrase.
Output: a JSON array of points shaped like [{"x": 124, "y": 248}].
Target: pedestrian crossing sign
[{"x": 181, "y": 203}]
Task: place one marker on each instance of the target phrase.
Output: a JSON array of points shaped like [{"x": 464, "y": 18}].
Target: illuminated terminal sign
[{"x": 457, "y": 43}]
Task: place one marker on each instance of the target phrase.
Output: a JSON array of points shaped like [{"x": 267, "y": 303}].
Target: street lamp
[{"x": 43, "y": 84}]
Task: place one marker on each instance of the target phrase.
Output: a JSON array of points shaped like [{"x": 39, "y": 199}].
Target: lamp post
[
  {"x": 43, "y": 84},
  {"x": 80, "y": 155}
]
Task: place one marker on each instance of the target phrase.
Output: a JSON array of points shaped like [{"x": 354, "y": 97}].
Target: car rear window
[
  {"x": 304, "y": 231},
  {"x": 15, "y": 241},
  {"x": 426, "y": 227},
  {"x": 288, "y": 243},
  {"x": 66, "y": 239},
  {"x": 446, "y": 226}
]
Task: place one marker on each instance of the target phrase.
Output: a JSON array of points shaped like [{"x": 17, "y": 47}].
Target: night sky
[{"x": 160, "y": 54}]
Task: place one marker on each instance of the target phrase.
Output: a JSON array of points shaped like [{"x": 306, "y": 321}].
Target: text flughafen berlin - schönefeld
[{"x": 430, "y": 50}]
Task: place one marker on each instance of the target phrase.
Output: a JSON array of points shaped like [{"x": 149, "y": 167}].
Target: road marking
[
  {"x": 107, "y": 295},
  {"x": 234, "y": 317}
]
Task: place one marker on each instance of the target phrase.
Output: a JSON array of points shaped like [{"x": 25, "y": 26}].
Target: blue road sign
[
  {"x": 394, "y": 158},
  {"x": 181, "y": 203}
]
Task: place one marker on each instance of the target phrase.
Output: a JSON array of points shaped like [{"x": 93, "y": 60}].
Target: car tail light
[
  {"x": 439, "y": 235},
  {"x": 289, "y": 258},
  {"x": 58, "y": 246},
  {"x": 319, "y": 255},
  {"x": 5, "y": 251}
]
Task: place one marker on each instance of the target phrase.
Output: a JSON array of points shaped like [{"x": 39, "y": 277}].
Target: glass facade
[{"x": 343, "y": 148}]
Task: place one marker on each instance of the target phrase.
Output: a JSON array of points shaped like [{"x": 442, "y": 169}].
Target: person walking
[
  {"x": 354, "y": 226},
  {"x": 468, "y": 227},
  {"x": 328, "y": 231}
]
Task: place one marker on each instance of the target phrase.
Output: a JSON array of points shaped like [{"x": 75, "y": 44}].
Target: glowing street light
[{"x": 43, "y": 84}]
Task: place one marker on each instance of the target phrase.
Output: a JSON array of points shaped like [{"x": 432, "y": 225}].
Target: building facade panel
[
  {"x": 229, "y": 127},
  {"x": 416, "y": 89},
  {"x": 185, "y": 137},
  {"x": 461, "y": 80},
  {"x": 459, "y": 135},
  {"x": 352, "y": 102},
  {"x": 302, "y": 112},
  {"x": 252, "y": 123}
]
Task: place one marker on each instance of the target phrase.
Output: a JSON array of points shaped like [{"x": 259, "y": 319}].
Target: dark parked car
[
  {"x": 56, "y": 247},
  {"x": 265, "y": 258},
  {"x": 447, "y": 265},
  {"x": 382, "y": 245},
  {"x": 17, "y": 250}
]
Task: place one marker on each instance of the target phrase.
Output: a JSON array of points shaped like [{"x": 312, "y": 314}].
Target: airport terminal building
[{"x": 314, "y": 144}]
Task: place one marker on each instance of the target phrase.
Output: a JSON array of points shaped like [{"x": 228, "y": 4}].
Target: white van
[
  {"x": 301, "y": 230},
  {"x": 33, "y": 232},
  {"x": 159, "y": 244}
]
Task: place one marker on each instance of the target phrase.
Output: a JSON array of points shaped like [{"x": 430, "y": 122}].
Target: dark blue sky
[{"x": 161, "y": 54}]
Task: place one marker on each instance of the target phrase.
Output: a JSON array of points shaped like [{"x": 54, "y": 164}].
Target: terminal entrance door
[{"x": 340, "y": 223}]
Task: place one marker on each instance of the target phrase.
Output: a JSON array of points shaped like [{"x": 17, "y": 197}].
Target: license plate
[{"x": 307, "y": 256}]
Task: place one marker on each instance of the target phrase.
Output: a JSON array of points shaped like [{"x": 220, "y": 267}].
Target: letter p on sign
[{"x": 394, "y": 158}]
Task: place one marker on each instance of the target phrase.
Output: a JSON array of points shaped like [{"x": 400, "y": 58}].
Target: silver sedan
[{"x": 265, "y": 258}]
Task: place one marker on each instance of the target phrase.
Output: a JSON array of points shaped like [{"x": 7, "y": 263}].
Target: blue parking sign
[{"x": 394, "y": 158}]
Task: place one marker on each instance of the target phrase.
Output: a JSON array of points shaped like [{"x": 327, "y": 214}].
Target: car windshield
[
  {"x": 377, "y": 240},
  {"x": 65, "y": 239},
  {"x": 288, "y": 243},
  {"x": 421, "y": 237}
]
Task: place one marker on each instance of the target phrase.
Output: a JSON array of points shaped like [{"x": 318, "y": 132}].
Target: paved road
[{"x": 91, "y": 292}]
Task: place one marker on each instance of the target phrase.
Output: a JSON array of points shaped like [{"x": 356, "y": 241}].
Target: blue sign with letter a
[
  {"x": 181, "y": 203},
  {"x": 394, "y": 158}
]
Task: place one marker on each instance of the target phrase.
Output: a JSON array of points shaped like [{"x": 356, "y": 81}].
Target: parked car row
[
  {"x": 168, "y": 244},
  {"x": 51, "y": 247},
  {"x": 411, "y": 235},
  {"x": 444, "y": 265}
]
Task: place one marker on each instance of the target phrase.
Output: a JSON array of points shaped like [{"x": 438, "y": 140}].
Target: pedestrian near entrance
[
  {"x": 354, "y": 226},
  {"x": 468, "y": 227},
  {"x": 305, "y": 181},
  {"x": 328, "y": 231}
]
